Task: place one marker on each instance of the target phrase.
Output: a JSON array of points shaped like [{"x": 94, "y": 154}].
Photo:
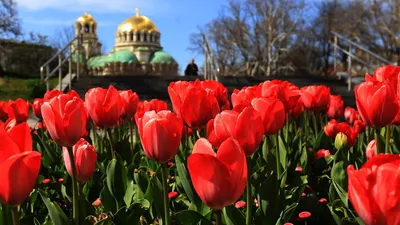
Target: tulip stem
[
  {"x": 131, "y": 127},
  {"x": 278, "y": 161},
  {"x": 109, "y": 133},
  {"x": 218, "y": 218},
  {"x": 387, "y": 142},
  {"x": 379, "y": 147},
  {"x": 306, "y": 127},
  {"x": 248, "y": 193},
  {"x": 75, "y": 200},
  {"x": 166, "y": 200},
  {"x": 287, "y": 128},
  {"x": 314, "y": 117},
  {"x": 15, "y": 215}
]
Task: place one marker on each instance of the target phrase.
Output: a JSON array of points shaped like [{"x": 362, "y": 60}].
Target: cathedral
[{"x": 137, "y": 49}]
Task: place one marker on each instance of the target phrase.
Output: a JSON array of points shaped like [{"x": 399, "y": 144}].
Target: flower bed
[{"x": 268, "y": 154}]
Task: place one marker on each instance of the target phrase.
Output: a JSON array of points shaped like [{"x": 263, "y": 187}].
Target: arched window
[
  {"x": 144, "y": 37},
  {"x": 125, "y": 36},
  {"x": 137, "y": 36},
  {"x": 130, "y": 36},
  {"x": 151, "y": 37},
  {"x": 86, "y": 28}
]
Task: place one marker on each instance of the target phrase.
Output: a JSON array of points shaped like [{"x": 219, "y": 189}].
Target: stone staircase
[{"x": 149, "y": 87}]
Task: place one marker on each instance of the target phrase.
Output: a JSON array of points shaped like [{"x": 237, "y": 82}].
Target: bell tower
[{"x": 86, "y": 27}]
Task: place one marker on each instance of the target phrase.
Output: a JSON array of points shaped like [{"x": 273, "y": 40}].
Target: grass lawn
[{"x": 26, "y": 88}]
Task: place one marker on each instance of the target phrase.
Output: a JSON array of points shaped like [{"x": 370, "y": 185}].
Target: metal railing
[
  {"x": 211, "y": 69},
  {"x": 338, "y": 41},
  {"x": 46, "y": 74}
]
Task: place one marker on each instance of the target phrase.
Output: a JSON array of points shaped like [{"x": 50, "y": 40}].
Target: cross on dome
[{"x": 137, "y": 12}]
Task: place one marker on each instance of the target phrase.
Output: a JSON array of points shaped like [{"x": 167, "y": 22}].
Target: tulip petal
[
  {"x": 359, "y": 196},
  {"x": 224, "y": 124},
  {"x": 160, "y": 143},
  {"x": 383, "y": 107},
  {"x": 50, "y": 119},
  {"x": 210, "y": 179},
  {"x": 19, "y": 174},
  {"x": 21, "y": 135},
  {"x": 11, "y": 148},
  {"x": 231, "y": 154},
  {"x": 74, "y": 121},
  {"x": 203, "y": 146},
  {"x": 249, "y": 130}
]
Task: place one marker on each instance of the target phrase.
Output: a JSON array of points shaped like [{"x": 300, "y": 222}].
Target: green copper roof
[
  {"x": 161, "y": 57},
  {"x": 122, "y": 56},
  {"x": 118, "y": 56},
  {"x": 97, "y": 61},
  {"x": 142, "y": 48}
]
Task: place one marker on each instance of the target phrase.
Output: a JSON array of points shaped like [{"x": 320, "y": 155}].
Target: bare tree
[
  {"x": 252, "y": 36},
  {"x": 9, "y": 21}
]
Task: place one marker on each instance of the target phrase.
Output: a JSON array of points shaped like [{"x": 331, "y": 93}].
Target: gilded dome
[
  {"x": 86, "y": 18},
  {"x": 137, "y": 23}
]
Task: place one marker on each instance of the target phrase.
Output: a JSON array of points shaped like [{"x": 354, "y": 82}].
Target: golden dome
[
  {"x": 86, "y": 18},
  {"x": 137, "y": 23}
]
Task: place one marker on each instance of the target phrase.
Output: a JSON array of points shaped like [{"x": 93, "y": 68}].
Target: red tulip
[
  {"x": 104, "y": 106},
  {"x": 330, "y": 128},
  {"x": 19, "y": 165},
  {"x": 195, "y": 105},
  {"x": 219, "y": 91},
  {"x": 244, "y": 96},
  {"x": 245, "y": 127},
  {"x": 160, "y": 134},
  {"x": 146, "y": 106},
  {"x": 219, "y": 179},
  {"x": 370, "y": 151},
  {"x": 350, "y": 114},
  {"x": 388, "y": 73},
  {"x": 51, "y": 94},
  {"x": 18, "y": 109},
  {"x": 130, "y": 100},
  {"x": 322, "y": 153},
  {"x": 316, "y": 97},
  {"x": 272, "y": 114},
  {"x": 297, "y": 110},
  {"x": 336, "y": 106},
  {"x": 376, "y": 103},
  {"x": 37, "y": 104},
  {"x": 359, "y": 126},
  {"x": 65, "y": 119},
  {"x": 373, "y": 190},
  {"x": 85, "y": 157},
  {"x": 286, "y": 92},
  {"x": 3, "y": 110}
]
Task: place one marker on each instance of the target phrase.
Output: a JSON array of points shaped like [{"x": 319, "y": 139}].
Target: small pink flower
[
  {"x": 97, "y": 202},
  {"x": 60, "y": 180},
  {"x": 322, "y": 201},
  {"x": 299, "y": 169},
  {"x": 172, "y": 194},
  {"x": 303, "y": 195},
  {"x": 240, "y": 204},
  {"x": 304, "y": 215},
  {"x": 46, "y": 181}
]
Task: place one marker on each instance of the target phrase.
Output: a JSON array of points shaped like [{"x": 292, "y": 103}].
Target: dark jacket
[{"x": 191, "y": 70}]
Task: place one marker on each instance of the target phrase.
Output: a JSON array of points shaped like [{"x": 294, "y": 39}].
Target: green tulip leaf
[
  {"x": 190, "y": 217},
  {"x": 233, "y": 216},
  {"x": 56, "y": 214}
]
